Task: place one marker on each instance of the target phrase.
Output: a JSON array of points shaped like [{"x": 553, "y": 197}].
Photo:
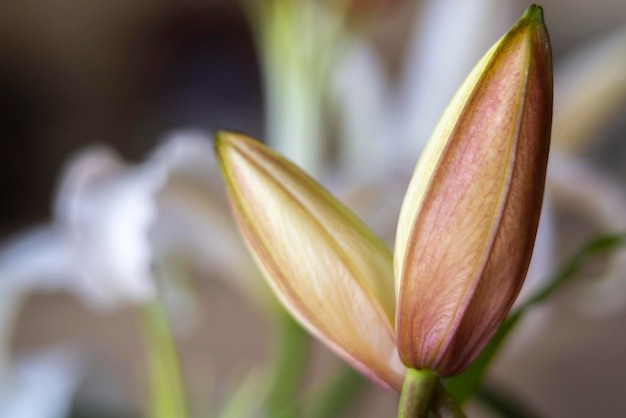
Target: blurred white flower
[
  {"x": 121, "y": 234},
  {"x": 104, "y": 210},
  {"x": 117, "y": 225},
  {"x": 41, "y": 385}
]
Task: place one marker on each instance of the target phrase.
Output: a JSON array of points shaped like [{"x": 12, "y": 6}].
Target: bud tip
[{"x": 533, "y": 14}]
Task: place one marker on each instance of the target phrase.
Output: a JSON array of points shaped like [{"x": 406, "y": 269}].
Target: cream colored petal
[
  {"x": 326, "y": 267},
  {"x": 470, "y": 216}
]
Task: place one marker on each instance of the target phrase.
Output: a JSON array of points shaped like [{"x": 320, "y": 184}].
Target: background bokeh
[{"x": 74, "y": 73}]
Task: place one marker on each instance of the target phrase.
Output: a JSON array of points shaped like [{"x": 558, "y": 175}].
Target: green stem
[
  {"x": 297, "y": 43},
  {"x": 292, "y": 84},
  {"x": 167, "y": 397},
  {"x": 444, "y": 404},
  {"x": 417, "y": 393},
  {"x": 289, "y": 359}
]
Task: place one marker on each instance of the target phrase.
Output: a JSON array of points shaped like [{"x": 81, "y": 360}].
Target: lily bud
[
  {"x": 469, "y": 219},
  {"x": 328, "y": 269}
]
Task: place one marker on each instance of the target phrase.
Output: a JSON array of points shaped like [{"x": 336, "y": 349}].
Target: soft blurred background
[{"x": 127, "y": 74}]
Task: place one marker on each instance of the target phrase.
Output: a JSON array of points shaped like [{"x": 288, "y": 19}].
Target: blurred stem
[
  {"x": 167, "y": 397},
  {"x": 444, "y": 405},
  {"x": 244, "y": 400},
  {"x": 297, "y": 42},
  {"x": 292, "y": 84},
  {"x": 288, "y": 361},
  {"x": 417, "y": 393},
  {"x": 335, "y": 397}
]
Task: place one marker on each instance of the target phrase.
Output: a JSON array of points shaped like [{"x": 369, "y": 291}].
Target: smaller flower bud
[{"x": 328, "y": 269}]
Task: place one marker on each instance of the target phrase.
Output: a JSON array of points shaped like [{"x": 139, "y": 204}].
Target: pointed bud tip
[
  {"x": 224, "y": 140},
  {"x": 532, "y": 25},
  {"x": 220, "y": 138},
  {"x": 225, "y": 143},
  {"x": 534, "y": 14}
]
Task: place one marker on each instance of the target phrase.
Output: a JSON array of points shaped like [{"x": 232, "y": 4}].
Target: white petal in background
[
  {"x": 99, "y": 244},
  {"x": 115, "y": 222},
  {"x": 41, "y": 385},
  {"x": 123, "y": 220},
  {"x": 106, "y": 210},
  {"x": 119, "y": 231},
  {"x": 37, "y": 258},
  {"x": 189, "y": 153}
]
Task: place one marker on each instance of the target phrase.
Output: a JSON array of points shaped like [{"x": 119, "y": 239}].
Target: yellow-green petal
[
  {"x": 328, "y": 269},
  {"x": 469, "y": 219}
]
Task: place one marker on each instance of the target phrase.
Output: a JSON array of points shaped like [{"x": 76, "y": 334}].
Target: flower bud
[
  {"x": 469, "y": 219},
  {"x": 328, "y": 269}
]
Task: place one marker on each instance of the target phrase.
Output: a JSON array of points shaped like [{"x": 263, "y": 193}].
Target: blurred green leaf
[
  {"x": 287, "y": 368},
  {"x": 167, "y": 397},
  {"x": 245, "y": 401}
]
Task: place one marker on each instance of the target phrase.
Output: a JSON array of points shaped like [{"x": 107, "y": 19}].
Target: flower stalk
[
  {"x": 423, "y": 393},
  {"x": 417, "y": 393},
  {"x": 167, "y": 394},
  {"x": 287, "y": 367},
  {"x": 297, "y": 41}
]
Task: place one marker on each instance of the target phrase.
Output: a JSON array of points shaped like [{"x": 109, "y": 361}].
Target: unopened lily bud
[
  {"x": 328, "y": 269},
  {"x": 469, "y": 219}
]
